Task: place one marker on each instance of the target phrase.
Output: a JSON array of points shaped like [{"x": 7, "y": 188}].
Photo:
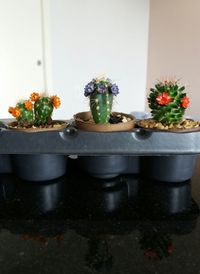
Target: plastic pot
[
  {"x": 5, "y": 164},
  {"x": 176, "y": 168},
  {"x": 103, "y": 166},
  {"x": 39, "y": 167}
]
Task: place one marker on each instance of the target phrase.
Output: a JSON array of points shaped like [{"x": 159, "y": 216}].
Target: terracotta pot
[
  {"x": 55, "y": 126},
  {"x": 84, "y": 121}
]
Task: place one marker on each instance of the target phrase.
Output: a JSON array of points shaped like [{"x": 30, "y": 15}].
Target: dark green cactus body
[
  {"x": 26, "y": 117},
  {"x": 172, "y": 111},
  {"x": 101, "y": 107},
  {"x": 43, "y": 109}
]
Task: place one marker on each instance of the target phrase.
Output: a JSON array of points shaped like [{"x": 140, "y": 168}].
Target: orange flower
[
  {"x": 163, "y": 99},
  {"x": 28, "y": 105},
  {"x": 56, "y": 101},
  {"x": 35, "y": 96},
  {"x": 185, "y": 102},
  {"x": 14, "y": 111},
  {"x": 10, "y": 110}
]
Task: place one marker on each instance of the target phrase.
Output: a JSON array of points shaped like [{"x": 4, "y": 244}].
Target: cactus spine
[
  {"x": 168, "y": 101},
  {"x": 101, "y": 92}
]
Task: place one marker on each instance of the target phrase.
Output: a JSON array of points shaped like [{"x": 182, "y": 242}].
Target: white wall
[
  {"x": 20, "y": 48},
  {"x": 82, "y": 39},
  {"x": 174, "y": 45},
  {"x": 86, "y": 38}
]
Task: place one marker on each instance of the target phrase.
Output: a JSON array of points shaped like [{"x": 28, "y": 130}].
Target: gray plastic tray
[{"x": 72, "y": 141}]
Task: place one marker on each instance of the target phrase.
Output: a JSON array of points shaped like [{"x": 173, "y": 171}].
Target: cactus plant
[
  {"x": 101, "y": 92},
  {"x": 43, "y": 109},
  {"x": 168, "y": 102},
  {"x": 23, "y": 112},
  {"x": 36, "y": 111}
]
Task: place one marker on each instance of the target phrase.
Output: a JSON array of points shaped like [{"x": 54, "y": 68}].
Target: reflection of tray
[{"x": 72, "y": 141}]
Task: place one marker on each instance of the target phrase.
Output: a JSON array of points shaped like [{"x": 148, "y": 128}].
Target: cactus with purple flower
[{"x": 101, "y": 92}]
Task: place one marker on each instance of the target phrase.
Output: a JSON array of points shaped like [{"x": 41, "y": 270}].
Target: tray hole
[{"x": 142, "y": 134}]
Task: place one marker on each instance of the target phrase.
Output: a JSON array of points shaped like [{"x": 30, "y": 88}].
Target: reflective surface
[{"x": 78, "y": 224}]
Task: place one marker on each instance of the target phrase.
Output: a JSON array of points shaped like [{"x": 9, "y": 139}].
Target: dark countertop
[{"x": 76, "y": 224}]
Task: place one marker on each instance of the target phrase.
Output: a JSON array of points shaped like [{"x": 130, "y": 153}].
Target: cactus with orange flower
[
  {"x": 23, "y": 112},
  {"x": 168, "y": 101},
  {"x": 43, "y": 109},
  {"x": 36, "y": 111}
]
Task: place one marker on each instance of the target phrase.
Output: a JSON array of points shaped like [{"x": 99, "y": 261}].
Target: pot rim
[{"x": 84, "y": 121}]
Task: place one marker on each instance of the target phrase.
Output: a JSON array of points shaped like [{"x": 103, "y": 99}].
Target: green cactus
[
  {"x": 36, "y": 111},
  {"x": 26, "y": 117},
  {"x": 101, "y": 106},
  {"x": 101, "y": 92},
  {"x": 43, "y": 109},
  {"x": 168, "y": 101}
]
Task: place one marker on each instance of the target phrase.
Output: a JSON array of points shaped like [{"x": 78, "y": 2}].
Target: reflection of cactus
[
  {"x": 168, "y": 101},
  {"x": 101, "y": 91},
  {"x": 156, "y": 245},
  {"x": 98, "y": 256},
  {"x": 37, "y": 111}
]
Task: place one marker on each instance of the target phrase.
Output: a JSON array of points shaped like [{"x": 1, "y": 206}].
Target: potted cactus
[
  {"x": 101, "y": 92},
  {"x": 168, "y": 101},
  {"x": 34, "y": 115}
]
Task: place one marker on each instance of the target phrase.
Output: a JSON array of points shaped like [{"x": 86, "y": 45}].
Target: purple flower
[
  {"x": 89, "y": 88},
  {"x": 102, "y": 88},
  {"x": 114, "y": 89}
]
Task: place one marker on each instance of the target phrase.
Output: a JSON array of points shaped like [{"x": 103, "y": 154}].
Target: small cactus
[
  {"x": 43, "y": 109},
  {"x": 168, "y": 102},
  {"x": 23, "y": 112},
  {"x": 37, "y": 111},
  {"x": 101, "y": 92}
]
